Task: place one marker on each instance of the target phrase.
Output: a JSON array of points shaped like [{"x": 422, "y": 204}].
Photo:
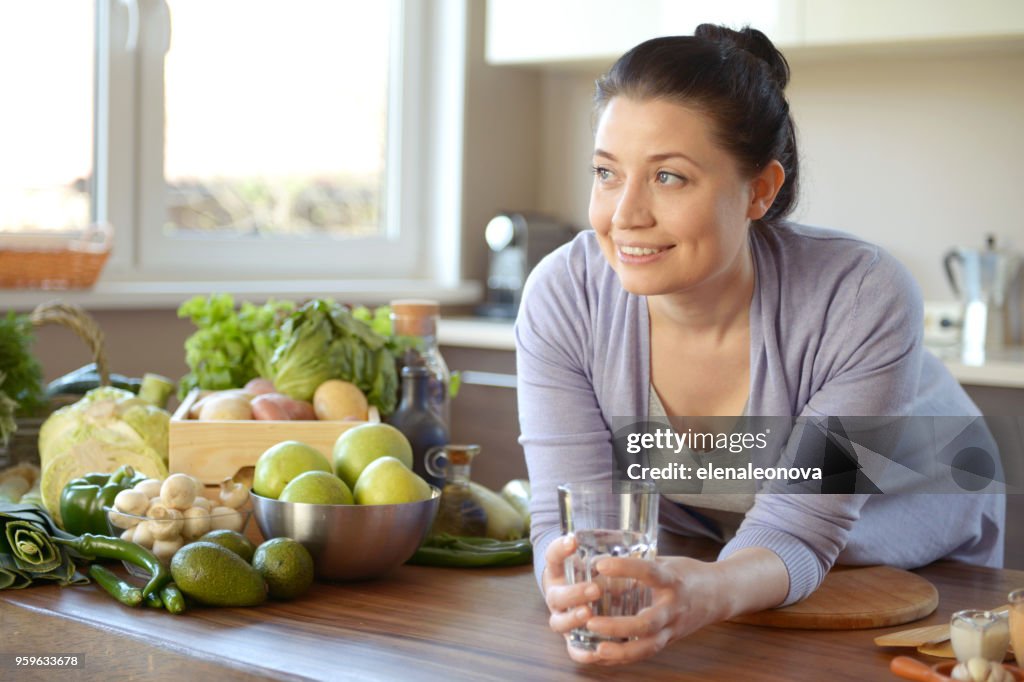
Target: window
[
  {"x": 46, "y": 69},
  {"x": 243, "y": 139}
]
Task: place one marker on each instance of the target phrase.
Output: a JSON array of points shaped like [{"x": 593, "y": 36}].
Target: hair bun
[{"x": 750, "y": 40}]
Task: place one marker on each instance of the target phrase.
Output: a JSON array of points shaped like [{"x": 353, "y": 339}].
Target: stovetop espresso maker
[{"x": 987, "y": 281}]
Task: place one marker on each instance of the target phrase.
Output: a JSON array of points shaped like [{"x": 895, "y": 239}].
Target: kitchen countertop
[
  {"x": 431, "y": 623},
  {"x": 1002, "y": 369}
]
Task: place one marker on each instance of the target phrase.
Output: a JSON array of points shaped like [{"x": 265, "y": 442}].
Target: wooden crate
[{"x": 214, "y": 450}]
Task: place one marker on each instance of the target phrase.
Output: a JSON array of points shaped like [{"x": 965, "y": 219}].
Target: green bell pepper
[{"x": 83, "y": 499}]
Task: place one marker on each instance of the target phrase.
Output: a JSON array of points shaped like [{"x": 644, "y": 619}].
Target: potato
[
  {"x": 197, "y": 407},
  {"x": 259, "y": 386},
  {"x": 335, "y": 399},
  {"x": 230, "y": 407},
  {"x": 267, "y": 407},
  {"x": 277, "y": 406}
]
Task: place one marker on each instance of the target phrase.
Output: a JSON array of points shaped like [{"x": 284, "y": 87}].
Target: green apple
[
  {"x": 316, "y": 487},
  {"x": 283, "y": 462},
  {"x": 360, "y": 445},
  {"x": 387, "y": 480}
]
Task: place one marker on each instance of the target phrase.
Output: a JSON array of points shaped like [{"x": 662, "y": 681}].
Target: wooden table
[{"x": 426, "y": 624}]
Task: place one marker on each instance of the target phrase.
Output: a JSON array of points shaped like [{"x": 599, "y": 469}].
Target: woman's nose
[{"x": 632, "y": 209}]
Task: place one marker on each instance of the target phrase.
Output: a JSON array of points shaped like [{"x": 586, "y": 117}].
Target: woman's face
[{"x": 670, "y": 208}]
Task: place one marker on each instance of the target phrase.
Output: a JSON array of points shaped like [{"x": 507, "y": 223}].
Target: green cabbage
[{"x": 109, "y": 416}]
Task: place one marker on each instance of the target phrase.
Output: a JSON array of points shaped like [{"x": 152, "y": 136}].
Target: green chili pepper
[
  {"x": 459, "y": 551},
  {"x": 153, "y": 601},
  {"x": 173, "y": 599},
  {"x": 101, "y": 546},
  {"x": 122, "y": 591},
  {"x": 82, "y": 500}
]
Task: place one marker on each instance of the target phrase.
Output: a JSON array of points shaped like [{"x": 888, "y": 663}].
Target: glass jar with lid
[{"x": 415, "y": 320}]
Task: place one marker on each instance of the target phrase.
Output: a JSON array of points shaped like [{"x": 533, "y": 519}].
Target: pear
[{"x": 387, "y": 480}]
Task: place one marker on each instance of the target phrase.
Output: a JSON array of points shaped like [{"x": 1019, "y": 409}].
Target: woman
[{"x": 693, "y": 296}]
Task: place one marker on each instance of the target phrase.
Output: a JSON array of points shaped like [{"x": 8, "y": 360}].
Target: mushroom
[
  {"x": 225, "y": 518},
  {"x": 178, "y": 491},
  {"x": 150, "y": 487},
  {"x": 165, "y": 549},
  {"x": 131, "y": 502},
  {"x": 143, "y": 535},
  {"x": 980, "y": 670},
  {"x": 197, "y": 522},
  {"x": 165, "y": 523},
  {"x": 232, "y": 493},
  {"x": 128, "y": 534},
  {"x": 202, "y": 503},
  {"x": 120, "y": 520}
]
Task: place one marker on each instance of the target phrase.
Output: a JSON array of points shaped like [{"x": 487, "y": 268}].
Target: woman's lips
[{"x": 634, "y": 254}]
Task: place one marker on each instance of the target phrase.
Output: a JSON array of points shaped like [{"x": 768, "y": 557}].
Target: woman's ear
[{"x": 764, "y": 187}]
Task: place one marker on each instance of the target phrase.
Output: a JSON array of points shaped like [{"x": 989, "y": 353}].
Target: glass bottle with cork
[
  {"x": 416, "y": 320},
  {"x": 418, "y": 422},
  {"x": 459, "y": 512}
]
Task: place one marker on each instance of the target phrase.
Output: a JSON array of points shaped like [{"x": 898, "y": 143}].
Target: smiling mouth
[{"x": 642, "y": 250}]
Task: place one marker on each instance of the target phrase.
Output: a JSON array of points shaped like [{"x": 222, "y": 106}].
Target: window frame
[{"x": 424, "y": 163}]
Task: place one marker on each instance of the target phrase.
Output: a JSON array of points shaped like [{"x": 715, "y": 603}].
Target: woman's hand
[
  {"x": 569, "y": 604},
  {"x": 686, "y": 595},
  {"x": 670, "y": 615},
  {"x": 683, "y": 600}
]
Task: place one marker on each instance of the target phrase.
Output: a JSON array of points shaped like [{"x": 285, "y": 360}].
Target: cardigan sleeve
[
  {"x": 563, "y": 432},
  {"x": 874, "y": 348}
]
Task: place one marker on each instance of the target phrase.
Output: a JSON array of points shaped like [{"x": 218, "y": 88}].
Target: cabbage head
[{"x": 110, "y": 416}]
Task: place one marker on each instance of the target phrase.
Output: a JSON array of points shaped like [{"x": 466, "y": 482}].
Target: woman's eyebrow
[{"x": 653, "y": 157}]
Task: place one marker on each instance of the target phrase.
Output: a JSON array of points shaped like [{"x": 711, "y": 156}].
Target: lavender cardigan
[{"x": 835, "y": 329}]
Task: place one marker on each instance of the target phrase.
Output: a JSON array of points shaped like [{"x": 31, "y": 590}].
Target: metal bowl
[{"x": 349, "y": 541}]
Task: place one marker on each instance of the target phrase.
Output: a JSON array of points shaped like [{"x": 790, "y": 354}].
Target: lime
[
  {"x": 286, "y": 567},
  {"x": 233, "y": 540},
  {"x": 316, "y": 487}
]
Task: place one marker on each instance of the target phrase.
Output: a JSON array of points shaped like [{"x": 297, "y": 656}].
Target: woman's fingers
[
  {"x": 564, "y": 597},
  {"x": 564, "y": 621},
  {"x": 651, "y": 573},
  {"x": 557, "y": 552},
  {"x": 615, "y": 653},
  {"x": 647, "y": 623}
]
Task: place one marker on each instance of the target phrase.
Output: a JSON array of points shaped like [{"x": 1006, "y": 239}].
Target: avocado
[
  {"x": 214, "y": 575},
  {"x": 233, "y": 540}
]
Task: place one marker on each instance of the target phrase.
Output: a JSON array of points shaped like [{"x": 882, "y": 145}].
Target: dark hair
[{"x": 737, "y": 78}]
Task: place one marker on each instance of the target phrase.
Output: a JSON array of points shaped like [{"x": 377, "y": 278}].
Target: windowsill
[{"x": 169, "y": 295}]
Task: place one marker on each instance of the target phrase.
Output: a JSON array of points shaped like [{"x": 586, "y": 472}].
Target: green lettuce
[
  {"x": 229, "y": 346},
  {"x": 323, "y": 340}
]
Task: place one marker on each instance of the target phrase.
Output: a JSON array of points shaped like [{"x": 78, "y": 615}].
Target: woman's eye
[
  {"x": 602, "y": 173},
  {"x": 666, "y": 178}
]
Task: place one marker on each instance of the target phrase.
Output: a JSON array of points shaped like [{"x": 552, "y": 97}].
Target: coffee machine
[
  {"x": 517, "y": 242},
  {"x": 988, "y": 286}
]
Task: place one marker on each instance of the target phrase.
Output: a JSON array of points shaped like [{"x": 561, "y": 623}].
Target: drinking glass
[
  {"x": 609, "y": 519},
  {"x": 979, "y": 634},
  {"x": 1016, "y": 600}
]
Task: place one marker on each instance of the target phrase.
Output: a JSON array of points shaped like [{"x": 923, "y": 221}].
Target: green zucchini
[{"x": 86, "y": 378}]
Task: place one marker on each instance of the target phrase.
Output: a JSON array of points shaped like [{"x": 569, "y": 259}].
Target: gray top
[{"x": 835, "y": 330}]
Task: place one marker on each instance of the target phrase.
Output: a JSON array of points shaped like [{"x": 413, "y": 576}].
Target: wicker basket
[
  {"x": 35, "y": 261},
  {"x": 24, "y": 443}
]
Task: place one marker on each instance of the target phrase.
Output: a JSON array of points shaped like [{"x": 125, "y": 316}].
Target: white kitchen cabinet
[
  {"x": 593, "y": 33},
  {"x": 596, "y": 32},
  {"x": 849, "y": 22}
]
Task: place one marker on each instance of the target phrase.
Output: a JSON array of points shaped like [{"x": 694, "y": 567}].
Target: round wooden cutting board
[{"x": 856, "y": 598}]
